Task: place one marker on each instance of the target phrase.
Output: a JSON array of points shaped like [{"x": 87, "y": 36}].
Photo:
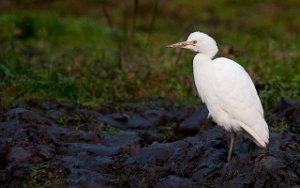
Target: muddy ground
[{"x": 154, "y": 144}]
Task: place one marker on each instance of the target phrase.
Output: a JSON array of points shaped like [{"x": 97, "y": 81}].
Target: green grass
[
  {"x": 41, "y": 177},
  {"x": 68, "y": 52}
]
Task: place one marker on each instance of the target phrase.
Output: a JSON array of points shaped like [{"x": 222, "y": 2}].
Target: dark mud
[{"x": 154, "y": 144}]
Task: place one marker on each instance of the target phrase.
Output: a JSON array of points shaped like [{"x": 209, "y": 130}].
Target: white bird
[{"x": 227, "y": 90}]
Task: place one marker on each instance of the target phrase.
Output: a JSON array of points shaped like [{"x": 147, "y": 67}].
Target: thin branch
[
  {"x": 132, "y": 33},
  {"x": 152, "y": 20},
  {"x": 179, "y": 57},
  {"x": 106, "y": 15},
  {"x": 120, "y": 51},
  {"x": 125, "y": 17}
]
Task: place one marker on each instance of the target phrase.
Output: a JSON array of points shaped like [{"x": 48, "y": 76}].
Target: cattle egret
[{"x": 227, "y": 90}]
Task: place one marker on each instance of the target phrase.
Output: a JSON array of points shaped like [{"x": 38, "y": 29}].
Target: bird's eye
[{"x": 194, "y": 41}]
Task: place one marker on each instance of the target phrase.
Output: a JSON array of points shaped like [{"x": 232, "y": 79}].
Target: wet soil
[{"x": 154, "y": 144}]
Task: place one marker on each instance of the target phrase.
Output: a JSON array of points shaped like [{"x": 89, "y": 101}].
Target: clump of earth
[{"x": 153, "y": 144}]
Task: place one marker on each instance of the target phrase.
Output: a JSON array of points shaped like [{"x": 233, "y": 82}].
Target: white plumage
[{"x": 227, "y": 90}]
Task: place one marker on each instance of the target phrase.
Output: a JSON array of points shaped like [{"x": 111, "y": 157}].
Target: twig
[
  {"x": 179, "y": 57},
  {"x": 106, "y": 15},
  {"x": 125, "y": 17},
  {"x": 120, "y": 51},
  {"x": 132, "y": 33},
  {"x": 152, "y": 20}
]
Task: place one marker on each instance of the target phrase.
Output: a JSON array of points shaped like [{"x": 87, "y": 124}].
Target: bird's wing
[{"x": 235, "y": 93}]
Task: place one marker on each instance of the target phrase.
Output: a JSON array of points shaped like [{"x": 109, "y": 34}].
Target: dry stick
[
  {"x": 132, "y": 33},
  {"x": 107, "y": 17},
  {"x": 125, "y": 17},
  {"x": 152, "y": 20},
  {"x": 179, "y": 56},
  {"x": 111, "y": 25}
]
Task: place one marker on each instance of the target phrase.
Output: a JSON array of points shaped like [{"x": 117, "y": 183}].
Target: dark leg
[
  {"x": 250, "y": 148},
  {"x": 231, "y": 145}
]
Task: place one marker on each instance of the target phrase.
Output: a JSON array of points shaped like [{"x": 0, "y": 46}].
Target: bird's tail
[{"x": 258, "y": 133}]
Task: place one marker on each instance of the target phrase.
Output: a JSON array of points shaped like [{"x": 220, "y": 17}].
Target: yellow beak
[{"x": 180, "y": 44}]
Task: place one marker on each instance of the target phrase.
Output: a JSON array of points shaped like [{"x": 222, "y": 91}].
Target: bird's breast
[{"x": 203, "y": 77}]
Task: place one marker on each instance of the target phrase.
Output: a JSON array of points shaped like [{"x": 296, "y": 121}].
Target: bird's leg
[
  {"x": 250, "y": 148},
  {"x": 233, "y": 135}
]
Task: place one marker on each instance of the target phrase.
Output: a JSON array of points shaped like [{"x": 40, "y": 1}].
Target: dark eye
[{"x": 194, "y": 41}]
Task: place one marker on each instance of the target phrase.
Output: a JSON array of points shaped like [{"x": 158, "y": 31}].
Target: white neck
[{"x": 200, "y": 57}]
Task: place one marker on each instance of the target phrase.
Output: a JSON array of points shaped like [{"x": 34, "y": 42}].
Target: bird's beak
[{"x": 180, "y": 44}]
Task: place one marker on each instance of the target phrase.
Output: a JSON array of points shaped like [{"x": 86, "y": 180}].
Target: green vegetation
[
  {"x": 109, "y": 129},
  {"x": 279, "y": 126},
  {"x": 78, "y": 121},
  {"x": 75, "y": 52},
  {"x": 41, "y": 177}
]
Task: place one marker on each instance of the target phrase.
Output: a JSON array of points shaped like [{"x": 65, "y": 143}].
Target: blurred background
[{"x": 95, "y": 52}]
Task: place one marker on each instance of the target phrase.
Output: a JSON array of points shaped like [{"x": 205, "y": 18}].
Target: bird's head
[{"x": 198, "y": 42}]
